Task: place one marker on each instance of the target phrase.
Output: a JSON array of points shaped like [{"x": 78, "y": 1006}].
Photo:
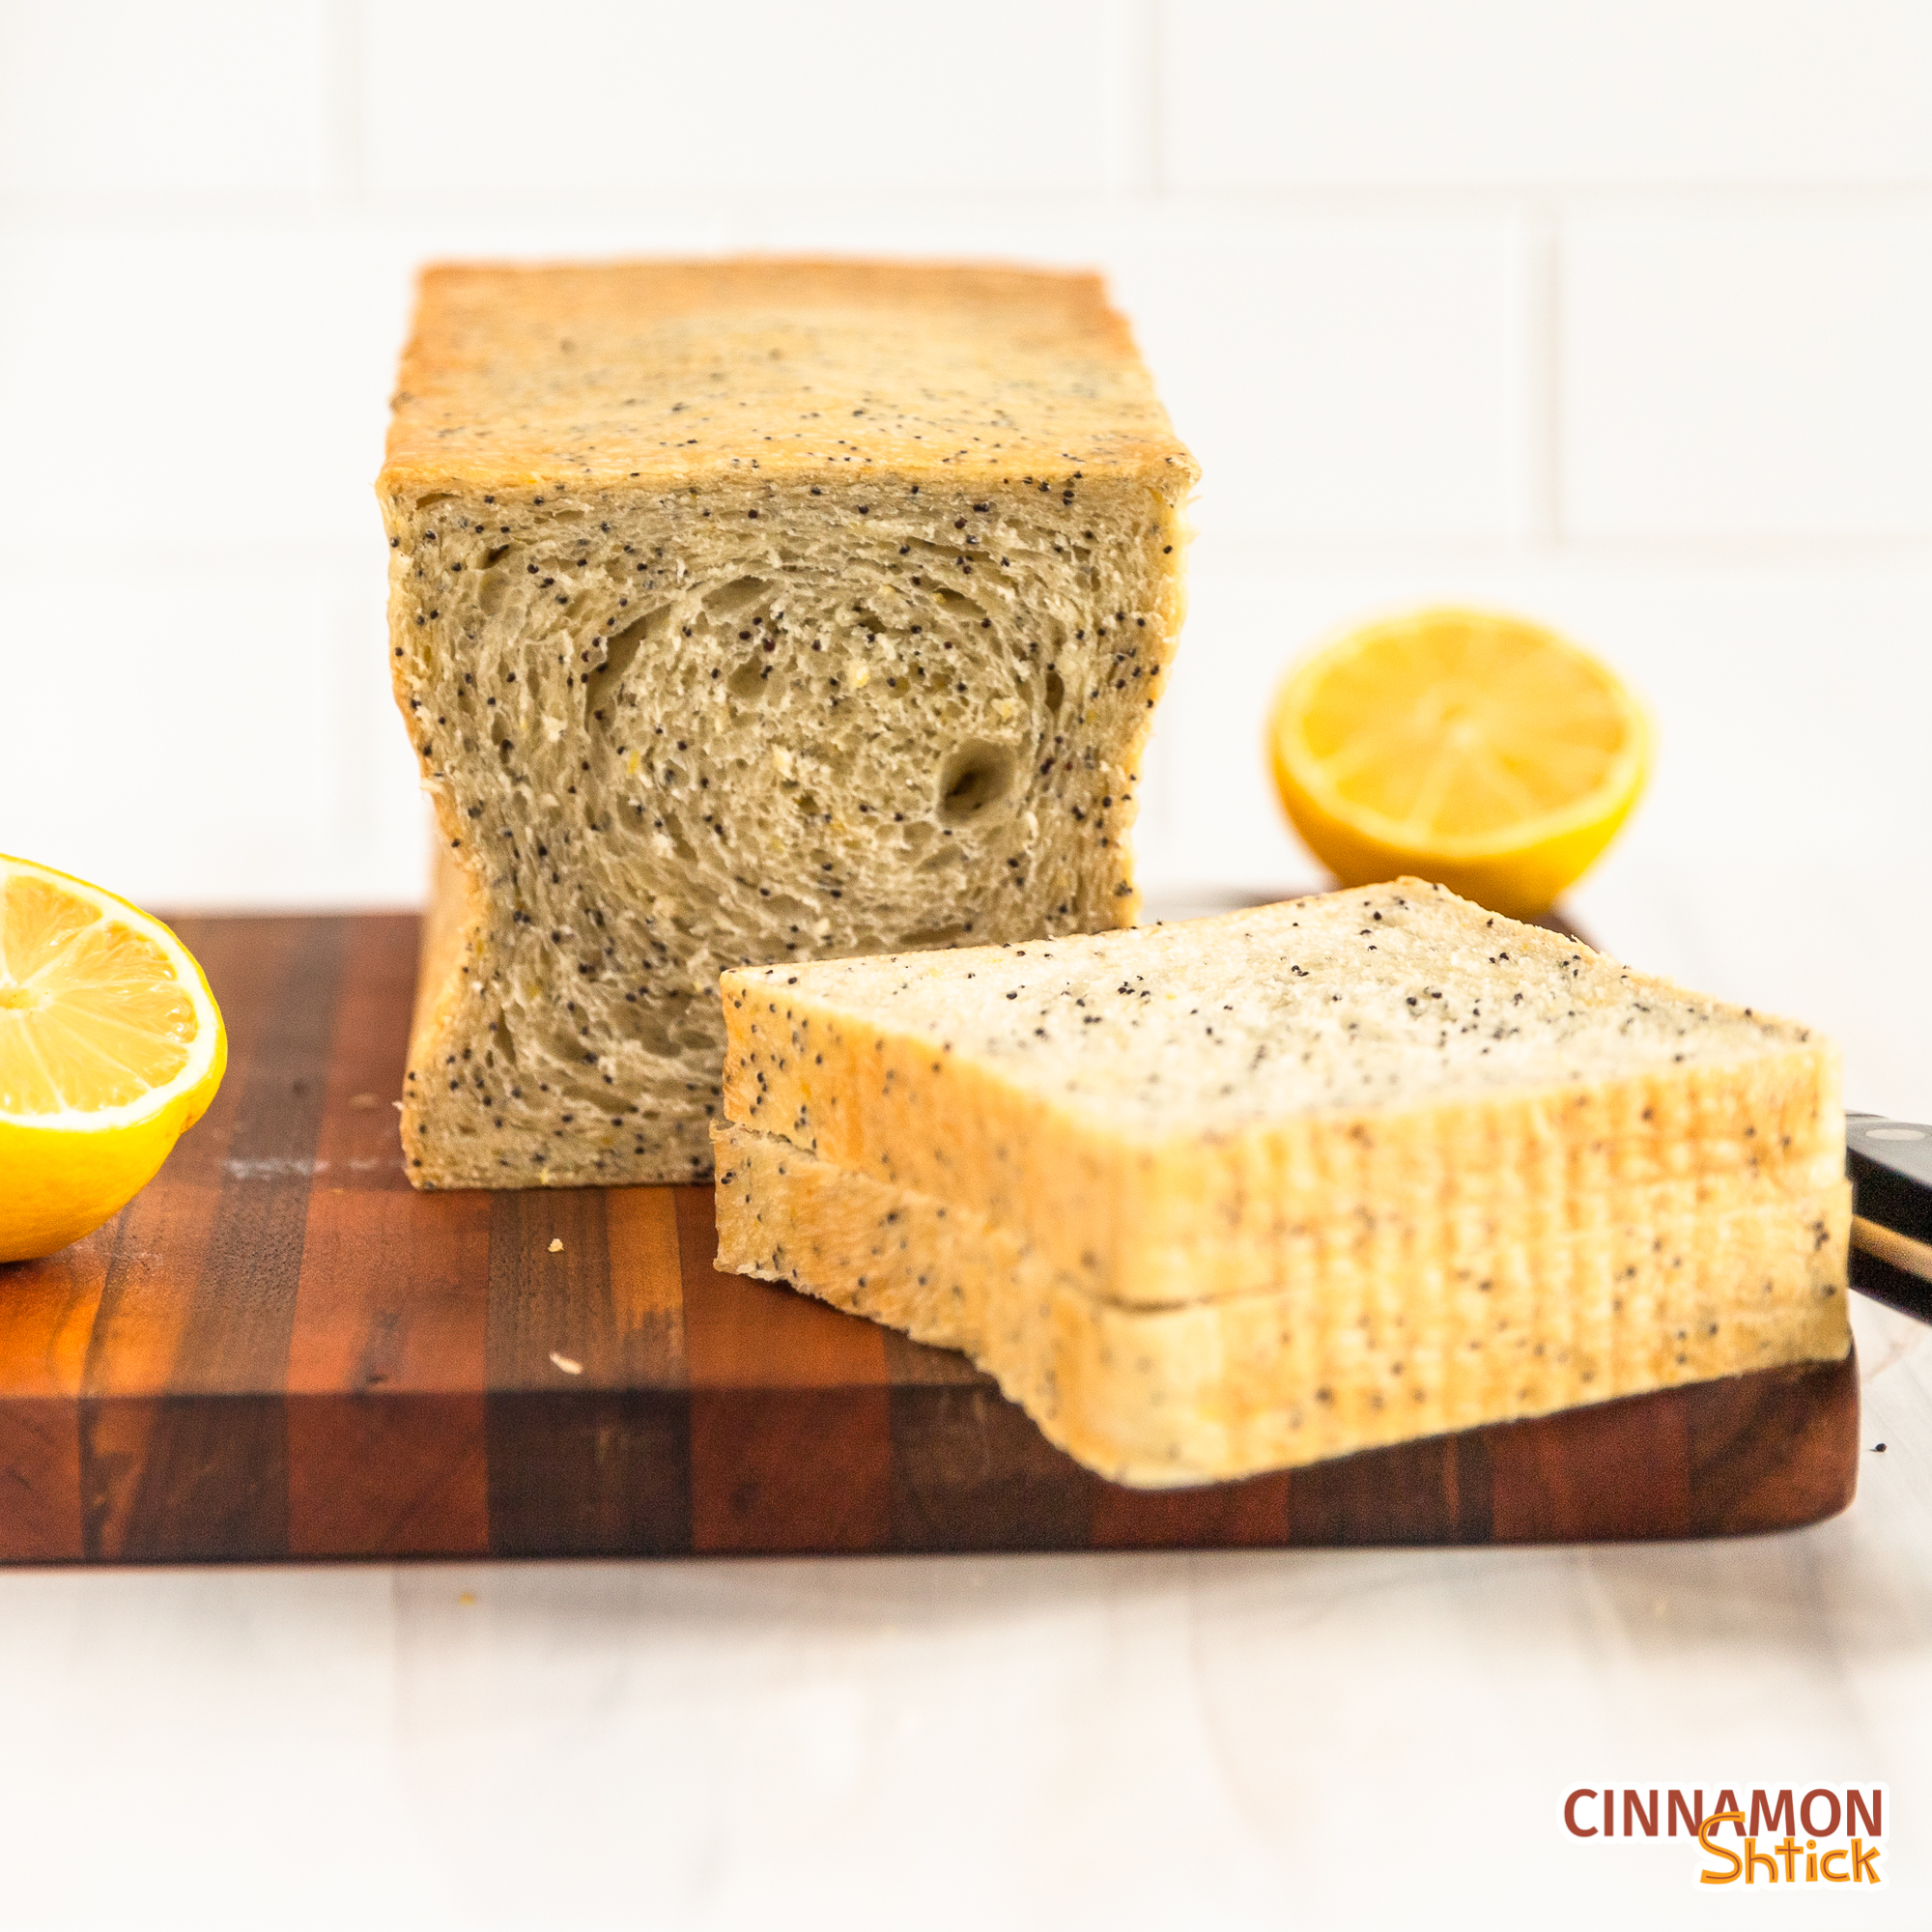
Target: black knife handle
[{"x": 1891, "y": 1167}]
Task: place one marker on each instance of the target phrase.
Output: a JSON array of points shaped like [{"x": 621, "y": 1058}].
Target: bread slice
[
  {"x": 1254, "y": 1190},
  {"x": 751, "y": 611},
  {"x": 1371, "y": 1344}
]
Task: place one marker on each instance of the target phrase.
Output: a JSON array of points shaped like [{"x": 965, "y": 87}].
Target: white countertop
[{"x": 1239, "y": 1738}]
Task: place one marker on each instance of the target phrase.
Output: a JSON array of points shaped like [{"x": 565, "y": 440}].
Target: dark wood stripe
[
  {"x": 791, "y": 1442},
  {"x": 1470, "y": 1478},
  {"x": 200, "y": 1294},
  {"x": 357, "y": 1149},
  {"x": 608, "y": 1299},
  {"x": 192, "y": 1479},
  {"x": 388, "y": 1474},
  {"x": 911, "y": 1364},
  {"x": 1770, "y": 1449},
  {"x": 200, "y": 1297},
  {"x": 242, "y": 1310},
  {"x": 388, "y": 1443},
  {"x": 583, "y": 1460},
  {"x": 605, "y": 1472},
  {"x": 1399, "y": 1496},
  {"x": 393, "y": 1293},
  {"x": 970, "y": 1471},
  {"x": 40, "y": 1480},
  {"x": 46, "y": 1314},
  {"x": 1253, "y": 1512},
  {"x": 1612, "y": 1473},
  {"x": 551, "y": 1326}
]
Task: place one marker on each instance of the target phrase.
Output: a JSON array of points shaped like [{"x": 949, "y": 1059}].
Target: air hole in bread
[
  {"x": 651, "y": 1025},
  {"x": 732, "y": 600},
  {"x": 506, "y": 1045},
  {"x": 618, "y": 655},
  {"x": 975, "y": 777},
  {"x": 1056, "y": 690},
  {"x": 931, "y": 938},
  {"x": 748, "y": 681}
]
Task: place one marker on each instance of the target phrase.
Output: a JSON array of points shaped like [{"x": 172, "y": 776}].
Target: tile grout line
[
  {"x": 342, "y": 72},
  {"x": 1534, "y": 401},
  {"x": 1133, "y": 101},
  {"x": 1151, "y": 197}
]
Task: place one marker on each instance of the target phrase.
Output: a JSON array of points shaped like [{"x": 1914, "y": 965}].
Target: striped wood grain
[{"x": 279, "y": 1350}]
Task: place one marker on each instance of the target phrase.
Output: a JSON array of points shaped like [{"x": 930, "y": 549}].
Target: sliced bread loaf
[
  {"x": 742, "y": 611},
  {"x": 1252, "y": 1190},
  {"x": 1373, "y": 1339}
]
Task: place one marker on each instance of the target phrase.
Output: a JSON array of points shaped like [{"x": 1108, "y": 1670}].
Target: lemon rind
[
  {"x": 1616, "y": 793},
  {"x": 193, "y": 980}
]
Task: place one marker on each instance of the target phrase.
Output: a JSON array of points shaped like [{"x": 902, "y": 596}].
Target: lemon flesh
[
  {"x": 1466, "y": 747},
  {"x": 111, "y": 1046}
]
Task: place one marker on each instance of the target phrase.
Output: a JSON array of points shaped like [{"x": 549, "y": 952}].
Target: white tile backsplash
[
  {"x": 486, "y": 95},
  {"x": 1520, "y": 93},
  {"x": 222, "y": 98},
  {"x": 189, "y": 744},
  {"x": 1758, "y": 375},
  {"x": 1616, "y": 316},
  {"x": 218, "y": 388},
  {"x": 1336, "y": 378}
]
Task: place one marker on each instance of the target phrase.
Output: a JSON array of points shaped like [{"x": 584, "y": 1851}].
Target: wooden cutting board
[{"x": 280, "y": 1350}]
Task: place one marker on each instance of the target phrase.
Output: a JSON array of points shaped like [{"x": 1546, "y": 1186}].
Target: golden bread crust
[
  {"x": 449, "y": 929},
  {"x": 1358, "y": 1344},
  {"x": 640, "y": 375}
]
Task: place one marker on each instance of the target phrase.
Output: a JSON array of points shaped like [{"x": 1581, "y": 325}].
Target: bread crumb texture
[
  {"x": 1253, "y": 1191},
  {"x": 752, "y": 612}
]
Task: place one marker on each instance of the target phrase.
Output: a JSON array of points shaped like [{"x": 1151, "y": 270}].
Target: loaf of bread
[
  {"x": 752, "y": 612},
  {"x": 1251, "y": 1191}
]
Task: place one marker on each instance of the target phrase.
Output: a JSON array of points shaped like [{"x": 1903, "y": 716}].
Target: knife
[{"x": 1891, "y": 1167}]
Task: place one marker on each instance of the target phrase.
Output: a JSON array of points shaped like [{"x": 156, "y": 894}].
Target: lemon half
[
  {"x": 1474, "y": 749},
  {"x": 111, "y": 1046}
]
